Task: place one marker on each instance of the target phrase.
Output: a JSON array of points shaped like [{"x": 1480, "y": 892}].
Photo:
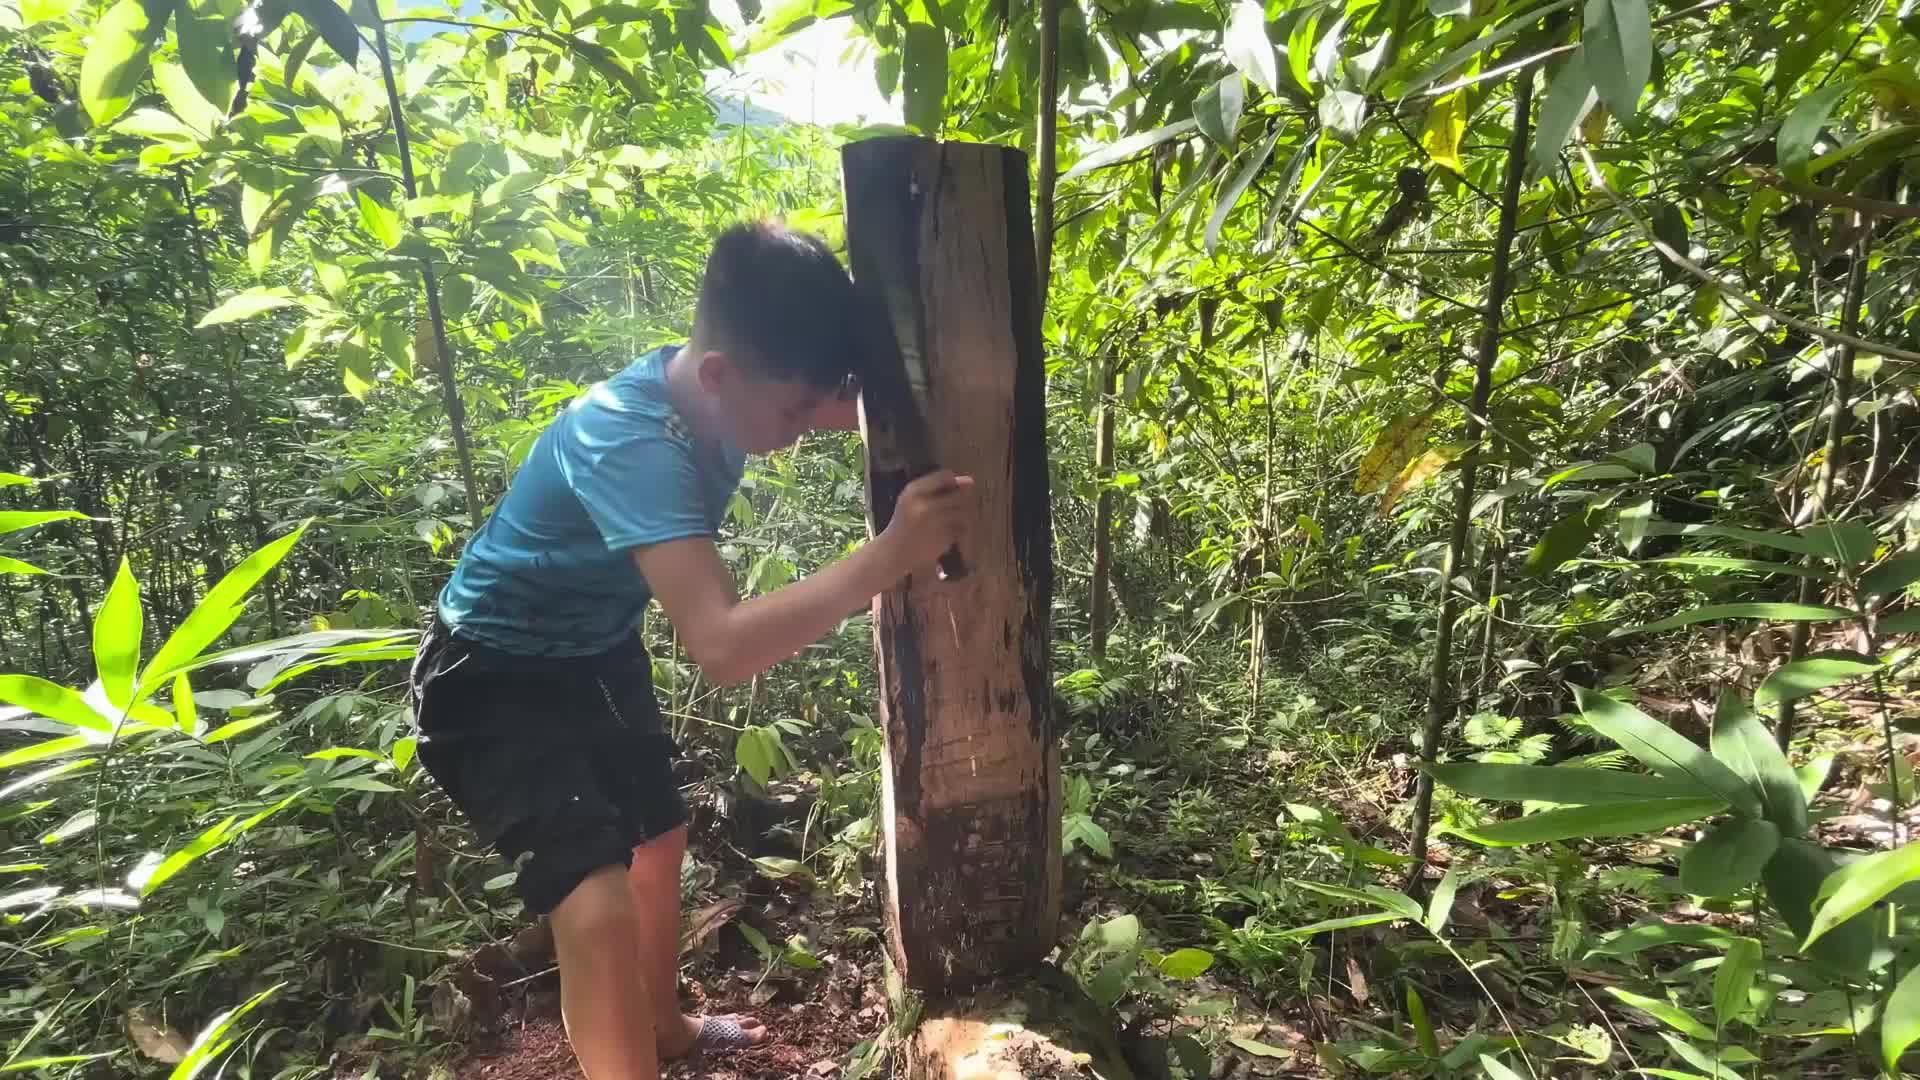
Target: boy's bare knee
[{"x": 598, "y": 909}]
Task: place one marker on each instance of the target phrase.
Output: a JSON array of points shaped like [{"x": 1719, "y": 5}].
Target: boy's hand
[{"x": 930, "y": 517}]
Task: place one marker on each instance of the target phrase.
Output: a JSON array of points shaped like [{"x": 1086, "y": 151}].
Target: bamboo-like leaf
[
  {"x": 117, "y": 627},
  {"x": 1854, "y": 888},
  {"x": 1453, "y": 59},
  {"x": 1122, "y": 149},
  {"x": 1569, "y": 96},
  {"x": 1892, "y": 577},
  {"x": 15, "y": 520},
  {"x": 1730, "y": 857},
  {"x": 1900, "y": 1021},
  {"x": 1587, "y": 822},
  {"x": 1714, "y": 612},
  {"x": 1744, "y": 745},
  {"x": 1667, "y": 1014},
  {"x": 1800, "y": 131},
  {"x": 1566, "y": 785},
  {"x": 335, "y": 26},
  {"x": 1248, "y": 48},
  {"x": 1664, "y": 750},
  {"x": 213, "y": 1040},
  {"x": 1793, "y": 881},
  {"x": 1733, "y": 979},
  {"x": 1563, "y": 541},
  {"x": 217, "y": 611},
  {"x": 52, "y": 701},
  {"x": 1230, "y": 195},
  {"x": 1217, "y": 109},
  {"x": 1802, "y": 678},
  {"x": 40, "y": 751},
  {"x": 1618, "y": 42}
]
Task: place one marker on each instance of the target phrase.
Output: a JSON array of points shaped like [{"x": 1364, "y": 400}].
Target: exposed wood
[
  {"x": 1041, "y": 1027},
  {"x": 1442, "y": 702},
  {"x": 971, "y": 787}
]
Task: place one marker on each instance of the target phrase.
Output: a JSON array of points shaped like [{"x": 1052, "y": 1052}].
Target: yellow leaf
[
  {"x": 1594, "y": 127},
  {"x": 1446, "y": 124},
  {"x": 426, "y": 357},
  {"x": 1392, "y": 450},
  {"x": 1417, "y": 472}
]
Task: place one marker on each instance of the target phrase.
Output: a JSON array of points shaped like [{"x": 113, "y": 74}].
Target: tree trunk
[
  {"x": 971, "y": 787},
  {"x": 1442, "y": 698}
]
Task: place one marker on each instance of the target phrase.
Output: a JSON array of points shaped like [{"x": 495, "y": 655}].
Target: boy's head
[{"x": 774, "y": 332}]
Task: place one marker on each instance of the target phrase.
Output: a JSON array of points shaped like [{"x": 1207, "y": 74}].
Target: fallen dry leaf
[{"x": 154, "y": 1038}]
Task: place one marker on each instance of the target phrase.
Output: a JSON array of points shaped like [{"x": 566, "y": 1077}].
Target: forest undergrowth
[{"x": 1483, "y": 438}]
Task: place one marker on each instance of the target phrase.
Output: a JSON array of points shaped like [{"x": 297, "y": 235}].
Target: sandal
[{"x": 721, "y": 1033}]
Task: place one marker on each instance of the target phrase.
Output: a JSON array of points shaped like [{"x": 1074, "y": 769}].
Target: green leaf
[
  {"x": 1343, "y": 112},
  {"x": 10, "y": 565},
  {"x": 335, "y": 26},
  {"x": 1732, "y": 565},
  {"x": 212, "y": 1040},
  {"x": 185, "y": 99},
  {"x": 245, "y": 305},
  {"x": 924, "y": 69},
  {"x": 1249, "y": 49},
  {"x": 751, "y": 753},
  {"x": 1230, "y": 194},
  {"x": 1800, "y": 131},
  {"x": 15, "y": 520},
  {"x": 1122, "y": 149},
  {"x": 53, "y": 701},
  {"x": 1495, "y": 1070},
  {"x": 31, "y": 1064},
  {"x": 1586, "y": 822},
  {"x": 1258, "y": 1048},
  {"x": 1445, "y": 126},
  {"x": 1733, "y": 979},
  {"x": 1711, "y": 612},
  {"x": 1185, "y": 963},
  {"x": 1422, "y": 1025},
  {"x": 1618, "y": 42},
  {"x": 1892, "y": 577},
  {"x": 1638, "y": 939},
  {"x": 1900, "y": 1021},
  {"x": 1854, "y": 888},
  {"x": 1663, "y": 1012},
  {"x": 185, "y": 856},
  {"x": 381, "y": 223},
  {"x": 1847, "y": 542},
  {"x": 117, "y": 627},
  {"x": 206, "y": 52},
  {"x": 1440, "y": 905},
  {"x": 1569, "y": 96},
  {"x": 116, "y": 59},
  {"x": 1566, "y": 785},
  {"x": 185, "y": 716},
  {"x": 1793, "y": 880},
  {"x": 40, "y": 751},
  {"x": 1632, "y": 520},
  {"x": 1217, "y": 109},
  {"x": 1563, "y": 541},
  {"x": 1664, "y": 750},
  {"x": 1446, "y": 64},
  {"x": 1744, "y": 745},
  {"x": 1729, "y": 858},
  {"x": 1347, "y": 922},
  {"x": 1802, "y": 678},
  {"x": 1905, "y": 622},
  {"x": 217, "y": 611}
]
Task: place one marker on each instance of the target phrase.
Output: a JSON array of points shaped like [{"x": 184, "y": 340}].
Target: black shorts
[{"x": 564, "y": 760}]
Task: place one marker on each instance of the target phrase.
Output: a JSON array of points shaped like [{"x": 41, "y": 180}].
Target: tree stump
[{"x": 971, "y": 787}]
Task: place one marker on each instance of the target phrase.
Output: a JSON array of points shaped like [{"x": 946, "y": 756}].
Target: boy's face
[{"x": 760, "y": 414}]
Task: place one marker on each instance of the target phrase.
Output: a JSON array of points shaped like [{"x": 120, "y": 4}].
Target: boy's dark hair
[{"x": 779, "y": 303}]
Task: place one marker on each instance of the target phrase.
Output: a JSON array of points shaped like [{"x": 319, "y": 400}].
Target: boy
[{"x": 533, "y": 691}]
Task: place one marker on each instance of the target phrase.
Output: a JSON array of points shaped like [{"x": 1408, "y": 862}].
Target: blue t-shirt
[{"x": 551, "y": 572}]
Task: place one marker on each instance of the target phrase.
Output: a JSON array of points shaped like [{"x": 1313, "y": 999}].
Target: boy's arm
[{"x": 733, "y": 640}]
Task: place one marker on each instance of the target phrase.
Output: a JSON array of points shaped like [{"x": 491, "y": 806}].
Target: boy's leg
[
  {"x": 655, "y": 883},
  {"x": 604, "y": 997}
]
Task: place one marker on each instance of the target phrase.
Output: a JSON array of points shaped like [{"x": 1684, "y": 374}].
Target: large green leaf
[
  {"x": 1217, "y": 109},
  {"x": 1742, "y": 566},
  {"x": 1744, "y": 745},
  {"x": 1729, "y": 858},
  {"x": 245, "y": 305},
  {"x": 1256, "y": 160},
  {"x": 1664, "y": 750},
  {"x": 1793, "y": 880},
  {"x": 1800, "y": 131},
  {"x": 1449, "y": 62},
  {"x": 1845, "y": 542},
  {"x": 1586, "y": 822},
  {"x": 1563, "y": 541},
  {"x": 10, "y": 565},
  {"x": 214, "y": 1039},
  {"x": 1854, "y": 888},
  {"x": 1892, "y": 577},
  {"x": 206, "y": 52},
  {"x": 1618, "y": 43},
  {"x": 117, "y": 627},
  {"x": 1249, "y": 49},
  {"x": 116, "y": 57},
  {"x": 1567, "y": 785},
  {"x": 15, "y": 520},
  {"x": 211, "y": 617},
  {"x": 1900, "y": 1021},
  {"x": 53, "y": 701},
  {"x": 335, "y": 26},
  {"x": 1802, "y": 678},
  {"x": 40, "y": 751},
  {"x": 1122, "y": 149},
  {"x": 1713, "y": 612},
  {"x": 1664, "y": 1012},
  {"x": 1733, "y": 979},
  {"x": 924, "y": 69}
]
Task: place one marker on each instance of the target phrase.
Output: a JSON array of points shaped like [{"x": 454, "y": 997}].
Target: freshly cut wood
[
  {"x": 1031, "y": 1028},
  {"x": 941, "y": 242}
]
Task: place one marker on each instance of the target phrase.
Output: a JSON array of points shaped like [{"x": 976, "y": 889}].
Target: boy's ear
[{"x": 715, "y": 370}]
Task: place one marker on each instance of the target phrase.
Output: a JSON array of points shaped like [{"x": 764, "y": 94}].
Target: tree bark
[
  {"x": 1442, "y": 703},
  {"x": 971, "y": 787}
]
